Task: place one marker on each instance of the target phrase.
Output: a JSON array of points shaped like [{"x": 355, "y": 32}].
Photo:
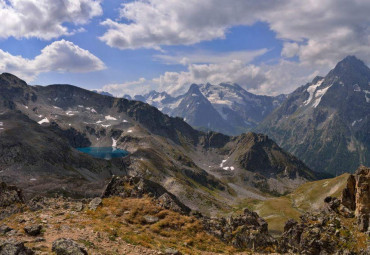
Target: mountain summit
[{"x": 327, "y": 122}]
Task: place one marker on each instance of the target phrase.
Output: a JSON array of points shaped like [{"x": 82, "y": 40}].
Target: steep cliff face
[{"x": 356, "y": 196}]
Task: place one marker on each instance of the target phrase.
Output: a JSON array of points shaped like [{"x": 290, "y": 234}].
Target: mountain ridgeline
[
  {"x": 326, "y": 123},
  {"x": 225, "y": 108},
  {"x": 42, "y": 125}
]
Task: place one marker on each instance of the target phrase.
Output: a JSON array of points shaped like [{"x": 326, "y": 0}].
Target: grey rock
[
  {"x": 33, "y": 230},
  {"x": 64, "y": 246},
  {"x": 172, "y": 251},
  {"x": 151, "y": 219},
  {"x": 11, "y": 247},
  {"x": 4, "y": 229},
  {"x": 95, "y": 203}
]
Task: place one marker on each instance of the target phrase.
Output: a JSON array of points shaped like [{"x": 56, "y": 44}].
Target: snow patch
[
  {"x": 129, "y": 131},
  {"x": 56, "y": 107},
  {"x": 106, "y": 126},
  {"x": 45, "y": 120},
  {"x": 99, "y": 121},
  {"x": 125, "y": 121},
  {"x": 93, "y": 110},
  {"x": 32, "y": 179},
  {"x": 1, "y": 124},
  {"x": 70, "y": 113},
  {"x": 311, "y": 90},
  {"x": 319, "y": 95},
  {"x": 114, "y": 142},
  {"x": 26, "y": 106},
  {"x": 110, "y": 118}
]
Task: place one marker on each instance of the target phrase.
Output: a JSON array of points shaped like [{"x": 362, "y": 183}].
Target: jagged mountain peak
[{"x": 351, "y": 67}]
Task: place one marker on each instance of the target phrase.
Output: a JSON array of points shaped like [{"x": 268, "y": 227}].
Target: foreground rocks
[
  {"x": 244, "y": 231},
  {"x": 334, "y": 230},
  {"x": 12, "y": 247},
  {"x": 64, "y": 246},
  {"x": 356, "y": 196},
  {"x": 138, "y": 187}
]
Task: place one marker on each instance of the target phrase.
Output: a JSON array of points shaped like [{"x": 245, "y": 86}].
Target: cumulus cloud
[
  {"x": 275, "y": 79},
  {"x": 45, "y": 19},
  {"x": 318, "y": 32},
  {"x": 60, "y": 56}
]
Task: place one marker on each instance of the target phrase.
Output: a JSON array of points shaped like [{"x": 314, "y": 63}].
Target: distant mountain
[
  {"x": 226, "y": 107},
  {"x": 327, "y": 122}
]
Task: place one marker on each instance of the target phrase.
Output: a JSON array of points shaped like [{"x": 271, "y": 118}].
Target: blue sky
[{"x": 127, "y": 47}]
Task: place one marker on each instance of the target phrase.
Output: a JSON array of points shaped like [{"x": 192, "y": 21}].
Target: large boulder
[
  {"x": 244, "y": 231},
  {"x": 65, "y": 246},
  {"x": 138, "y": 187},
  {"x": 12, "y": 247}
]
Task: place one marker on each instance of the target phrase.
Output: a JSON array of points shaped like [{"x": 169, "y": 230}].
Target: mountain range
[
  {"x": 42, "y": 125},
  {"x": 225, "y": 108}
]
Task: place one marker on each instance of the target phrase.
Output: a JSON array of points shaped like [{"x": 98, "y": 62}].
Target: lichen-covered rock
[
  {"x": 64, "y": 246},
  {"x": 137, "y": 187},
  {"x": 12, "y": 247},
  {"x": 244, "y": 231}
]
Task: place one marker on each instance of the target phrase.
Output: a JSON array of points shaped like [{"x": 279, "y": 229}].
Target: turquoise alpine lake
[{"x": 104, "y": 152}]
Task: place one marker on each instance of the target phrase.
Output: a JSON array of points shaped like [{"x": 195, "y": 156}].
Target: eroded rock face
[
  {"x": 137, "y": 187},
  {"x": 244, "y": 231},
  {"x": 356, "y": 196}
]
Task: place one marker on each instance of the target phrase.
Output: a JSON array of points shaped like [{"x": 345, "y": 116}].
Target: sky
[{"x": 268, "y": 47}]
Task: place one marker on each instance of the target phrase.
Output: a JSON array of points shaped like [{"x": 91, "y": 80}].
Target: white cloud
[
  {"x": 60, "y": 56},
  {"x": 45, "y": 19},
  {"x": 318, "y": 32},
  {"x": 202, "y": 57}
]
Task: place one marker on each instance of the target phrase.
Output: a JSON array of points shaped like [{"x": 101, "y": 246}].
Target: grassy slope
[{"x": 309, "y": 196}]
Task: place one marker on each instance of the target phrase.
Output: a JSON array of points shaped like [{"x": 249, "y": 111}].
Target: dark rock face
[
  {"x": 33, "y": 230},
  {"x": 11, "y": 247},
  {"x": 75, "y": 138},
  {"x": 356, "y": 196},
  {"x": 245, "y": 231},
  {"x": 64, "y": 246},
  {"x": 138, "y": 187}
]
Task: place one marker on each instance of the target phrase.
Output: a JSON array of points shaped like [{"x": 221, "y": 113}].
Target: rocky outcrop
[
  {"x": 356, "y": 196},
  {"x": 244, "y": 231},
  {"x": 64, "y": 246},
  {"x": 331, "y": 230},
  {"x": 9, "y": 195},
  {"x": 11, "y": 200},
  {"x": 137, "y": 187}
]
